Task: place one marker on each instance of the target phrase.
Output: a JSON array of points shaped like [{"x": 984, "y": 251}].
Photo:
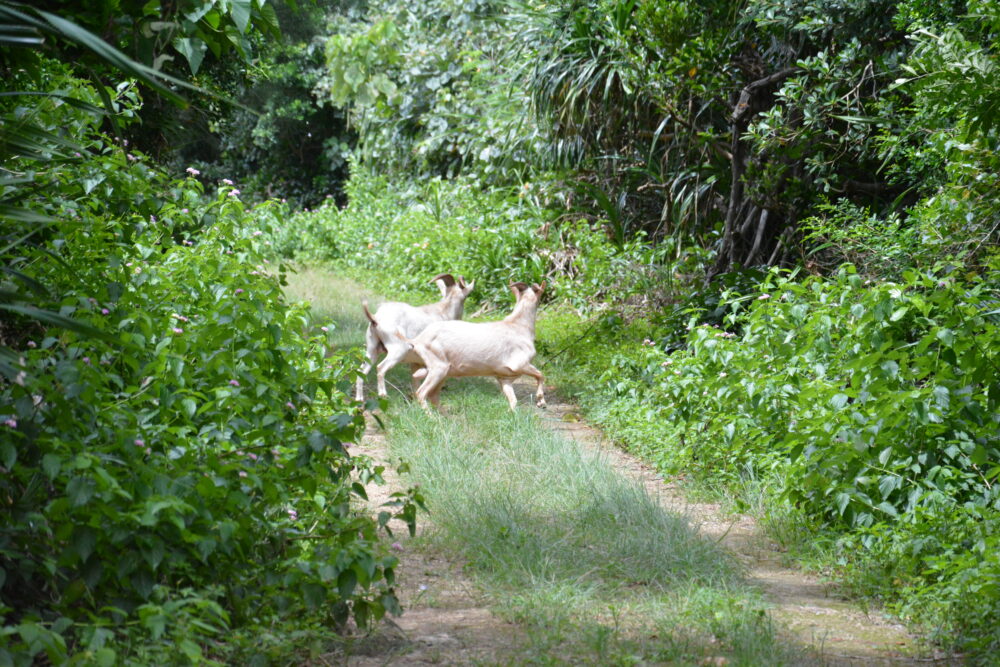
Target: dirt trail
[
  {"x": 447, "y": 622},
  {"x": 809, "y": 610}
]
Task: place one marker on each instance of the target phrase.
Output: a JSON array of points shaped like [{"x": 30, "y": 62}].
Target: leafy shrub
[
  {"x": 174, "y": 456},
  {"x": 401, "y": 235},
  {"x": 875, "y": 404}
]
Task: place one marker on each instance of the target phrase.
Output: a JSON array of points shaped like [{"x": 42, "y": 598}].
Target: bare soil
[{"x": 448, "y": 622}]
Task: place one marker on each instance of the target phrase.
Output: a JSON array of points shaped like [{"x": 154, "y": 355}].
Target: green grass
[
  {"x": 336, "y": 303},
  {"x": 589, "y": 566},
  {"x": 594, "y": 569}
]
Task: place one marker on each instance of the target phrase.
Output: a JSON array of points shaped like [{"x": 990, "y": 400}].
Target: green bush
[
  {"x": 172, "y": 437},
  {"x": 874, "y": 404},
  {"x": 401, "y": 235}
]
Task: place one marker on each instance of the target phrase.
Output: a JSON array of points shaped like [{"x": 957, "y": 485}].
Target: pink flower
[
  {"x": 138, "y": 442},
  {"x": 764, "y": 297},
  {"x": 184, "y": 210},
  {"x": 324, "y": 329},
  {"x": 152, "y": 218},
  {"x": 253, "y": 457},
  {"x": 290, "y": 405},
  {"x": 86, "y": 360},
  {"x": 32, "y": 344},
  {"x": 177, "y": 330},
  {"x": 104, "y": 311},
  {"x": 257, "y": 233},
  {"x": 227, "y": 181},
  {"x": 193, "y": 172},
  {"x": 11, "y": 422},
  {"x": 234, "y": 193},
  {"x": 235, "y": 383},
  {"x": 243, "y": 473},
  {"x": 239, "y": 290},
  {"x": 131, "y": 157},
  {"x": 396, "y": 546},
  {"x": 293, "y": 515}
]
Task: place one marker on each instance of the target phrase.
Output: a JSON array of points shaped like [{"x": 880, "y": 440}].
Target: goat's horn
[
  {"x": 461, "y": 282},
  {"x": 448, "y": 279}
]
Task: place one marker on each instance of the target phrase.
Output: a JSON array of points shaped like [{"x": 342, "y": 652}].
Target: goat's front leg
[
  {"x": 540, "y": 389},
  {"x": 393, "y": 355},
  {"x": 507, "y": 387},
  {"x": 415, "y": 376}
]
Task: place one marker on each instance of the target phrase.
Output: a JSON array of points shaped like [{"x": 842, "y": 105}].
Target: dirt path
[
  {"x": 447, "y": 622},
  {"x": 809, "y": 610}
]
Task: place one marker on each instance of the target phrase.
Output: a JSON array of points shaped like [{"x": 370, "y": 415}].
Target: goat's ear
[
  {"x": 517, "y": 288},
  {"x": 444, "y": 281},
  {"x": 469, "y": 286}
]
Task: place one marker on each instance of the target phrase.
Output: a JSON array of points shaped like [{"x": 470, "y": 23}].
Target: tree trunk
[{"x": 749, "y": 230}]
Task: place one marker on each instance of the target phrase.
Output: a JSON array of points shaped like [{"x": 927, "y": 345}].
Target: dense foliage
[
  {"x": 794, "y": 204},
  {"x": 627, "y": 150},
  {"x": 176, "y": 482}
]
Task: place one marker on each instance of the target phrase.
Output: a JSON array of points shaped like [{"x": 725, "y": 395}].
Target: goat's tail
[{"x": 368, "y": 314}]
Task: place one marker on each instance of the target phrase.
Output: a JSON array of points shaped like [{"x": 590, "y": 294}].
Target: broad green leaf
[
  {"x": 193, "y": 49},
  {"x": 240, "y": 10}
]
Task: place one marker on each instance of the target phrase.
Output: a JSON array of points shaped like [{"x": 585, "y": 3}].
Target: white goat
[
  {"x": 503, "y": 349},
  {"x": 394, "y": 319}
]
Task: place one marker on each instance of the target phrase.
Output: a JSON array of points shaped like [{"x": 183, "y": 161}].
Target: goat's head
[
  {"x": 449, "y": 285},
  {"x": 520, "y": 290},
  {"x": 453, "y": 294}
]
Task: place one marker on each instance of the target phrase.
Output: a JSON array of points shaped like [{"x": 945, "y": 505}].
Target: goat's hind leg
[
  {"x": 393, "y": 355},
  {"x": 372, "y": 347},
  {"x": 431, "y": 386}
]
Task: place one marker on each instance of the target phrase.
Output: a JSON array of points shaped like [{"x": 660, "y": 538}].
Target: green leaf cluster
[{"x": 173, "y": 435}]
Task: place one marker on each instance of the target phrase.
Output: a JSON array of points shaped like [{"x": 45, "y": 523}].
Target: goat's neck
[
  {"x": 523, "y": 315},
  {"x": 451, "y": 308}
]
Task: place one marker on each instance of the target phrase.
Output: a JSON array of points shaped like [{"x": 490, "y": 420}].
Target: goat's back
[
  {"x": 394, "y": 317},
  {"x": 476, "y": 348}
]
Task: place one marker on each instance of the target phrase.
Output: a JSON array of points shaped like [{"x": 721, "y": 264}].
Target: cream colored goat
[
  {"x": 394, "y": 321},
  {"x": 503, "y": 349}
]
